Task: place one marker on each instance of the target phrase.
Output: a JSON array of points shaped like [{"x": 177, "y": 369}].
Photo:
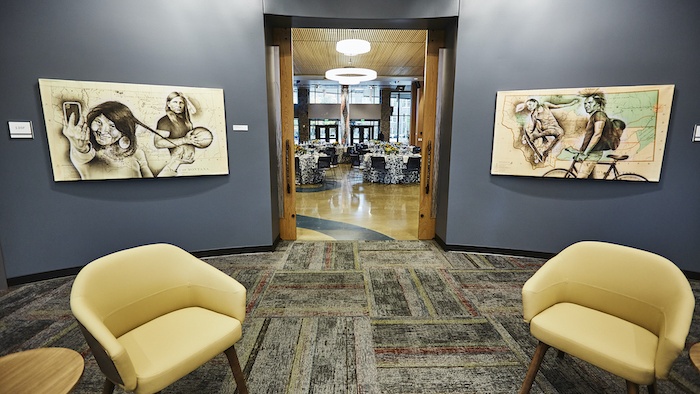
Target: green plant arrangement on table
[{"x": 390, "y": 149}]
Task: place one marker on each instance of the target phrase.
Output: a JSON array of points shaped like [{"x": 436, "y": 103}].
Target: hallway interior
[{"x": 344, "y": 207}]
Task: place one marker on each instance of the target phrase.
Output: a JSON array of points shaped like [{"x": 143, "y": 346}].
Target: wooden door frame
[
  {"x": 428, "y": 115},
  {"x": 282, "y": 38}
]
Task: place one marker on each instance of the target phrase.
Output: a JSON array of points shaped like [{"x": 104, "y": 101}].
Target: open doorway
[
  {"x": 295, "y": 125},
  {"x": 353, "y": 199}
]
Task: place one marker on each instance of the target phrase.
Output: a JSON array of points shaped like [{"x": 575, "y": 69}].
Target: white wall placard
[{"x": 20, "y": 129}]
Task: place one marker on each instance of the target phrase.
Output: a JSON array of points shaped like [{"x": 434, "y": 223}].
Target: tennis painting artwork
[
  {"x": 610, "y": 133},
  {"x": 102, "y": 130}
]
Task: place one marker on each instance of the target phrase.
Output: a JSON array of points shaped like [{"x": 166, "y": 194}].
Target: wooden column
[
  {"x": 428, "y": 111},
  {"x": 282, "y": 37}
]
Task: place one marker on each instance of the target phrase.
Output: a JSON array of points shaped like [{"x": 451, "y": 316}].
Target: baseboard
[
  {"x": 488, "y": 250},
  {"x": 522, "y": 253},
  {"x": 20, "y": 280},
  {"x": 228, "y": 251}
]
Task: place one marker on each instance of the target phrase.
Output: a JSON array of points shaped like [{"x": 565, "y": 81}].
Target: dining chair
[
  {"x": 297, "y": 170},
  {"x": 378, "y": 163},
  {"x": 624, "y": 310},
  {"x": 154, "y": 313},
  {"x": 378, "y": 167},
  {"x": 412, "y": 170},
  {"x": 323, "y": 164},
  {"x": 355, "y": 160}
]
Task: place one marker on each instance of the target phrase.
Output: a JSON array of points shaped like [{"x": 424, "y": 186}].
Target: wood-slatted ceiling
[{"x": 394, "y": 53}]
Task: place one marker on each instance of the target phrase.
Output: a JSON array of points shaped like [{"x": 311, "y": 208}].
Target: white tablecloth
[
  {"x": 395, "y": 166},
  {"x": 308, "y": 169}
]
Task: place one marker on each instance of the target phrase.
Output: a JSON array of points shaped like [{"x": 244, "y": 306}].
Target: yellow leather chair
[
  {"x": 621, "y": 309},
  {"x": 155, "y": 313}
]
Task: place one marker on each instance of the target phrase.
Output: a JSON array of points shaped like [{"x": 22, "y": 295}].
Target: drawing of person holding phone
[{"x": 103, "y": 145}]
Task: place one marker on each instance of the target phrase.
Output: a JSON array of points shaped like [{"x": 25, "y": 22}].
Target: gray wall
[
  {"x": 47, "y": 226},
  {"x": 510, "y": 45}
]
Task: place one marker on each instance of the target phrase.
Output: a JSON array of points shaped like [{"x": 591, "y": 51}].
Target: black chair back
[
  {"x": 324, "y": 162},
  {"x": 378, "y": 163},
  {"x": 413, "y": 164},
  {"x": 355, "y": 160}
]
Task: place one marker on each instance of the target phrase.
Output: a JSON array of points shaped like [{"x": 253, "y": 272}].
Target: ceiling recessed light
[
  {"x": 353, "y": 47},
  {"x": 351, "y": 75}
]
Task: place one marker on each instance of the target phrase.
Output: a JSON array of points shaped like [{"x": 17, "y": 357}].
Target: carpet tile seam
[
  {"x": 476, "y": 348},
  {"x": 256, "y": 347},
  {"x": 416, "y": 304},
  {"x": 430, "y": 321},
  {"x": 451, "y": 282},
  {"x": 297, "y": 369},
  {"x": 453, "y": 366},
  {"x": 421, "y": 291}
]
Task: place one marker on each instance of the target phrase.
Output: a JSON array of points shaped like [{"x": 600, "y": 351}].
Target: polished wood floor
[{"x": 346, "y": 208}]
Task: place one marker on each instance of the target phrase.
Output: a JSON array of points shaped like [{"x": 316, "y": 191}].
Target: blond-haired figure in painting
[
  {"x": 103, "y": 146},
  {"x": 175, "y": 131}
]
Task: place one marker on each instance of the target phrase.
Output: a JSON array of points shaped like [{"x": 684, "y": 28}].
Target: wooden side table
[
  {"x": 694, "y": 353},
  {"x": 45, "y": 370}
]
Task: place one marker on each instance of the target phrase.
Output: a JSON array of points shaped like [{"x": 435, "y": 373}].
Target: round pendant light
[
  {"x": 351, "y": 75},
  {"x": 353, "y": 47}
]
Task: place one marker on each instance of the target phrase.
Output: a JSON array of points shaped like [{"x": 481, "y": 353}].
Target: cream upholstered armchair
[
  {"x": 621, "y": 309},
  {"x": 155, "y": 313}
]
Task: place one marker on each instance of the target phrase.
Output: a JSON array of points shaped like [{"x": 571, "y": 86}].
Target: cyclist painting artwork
[
  {"x": 104, "y": 130},
  {"x": 607, "y": 133}
]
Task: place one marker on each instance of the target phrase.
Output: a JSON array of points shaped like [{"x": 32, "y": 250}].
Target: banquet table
[
  {"x": 395, "y": 165},
  {"x": 308, "y": 169}
]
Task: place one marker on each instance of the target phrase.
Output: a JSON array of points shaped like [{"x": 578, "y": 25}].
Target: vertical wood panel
[
  {"x": 426, "y": 223},
  {"x": 282, "y": 37}
]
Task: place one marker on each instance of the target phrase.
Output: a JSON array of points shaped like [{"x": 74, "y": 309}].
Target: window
[
  {"x": 324, "y": 94},
  {"x": 364, "y": 94},
  {"x": 400, "y": 128}
]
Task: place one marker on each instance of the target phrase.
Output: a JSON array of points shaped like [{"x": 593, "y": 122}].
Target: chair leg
[
  {"x": 632, "y": 388},
  {"x": 534, "y": 367},
  {"x": 108, "y": 387},
  {"x": 236, "y": 369},
  {"x": 652, "y": 388}
]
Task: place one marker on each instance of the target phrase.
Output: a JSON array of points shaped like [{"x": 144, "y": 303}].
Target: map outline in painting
[{"x": 566, "y": 132}]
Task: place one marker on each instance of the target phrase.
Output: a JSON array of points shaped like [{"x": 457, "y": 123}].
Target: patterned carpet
[{"x": 389, "y": 317}]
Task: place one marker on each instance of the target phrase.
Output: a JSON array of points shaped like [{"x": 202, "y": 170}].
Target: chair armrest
[
  {"x": 109, "y": 346},
  {"x": 216, "y": 291},
  {"x": 675, "y": 332},
  {"x": 541, "y": 291}
]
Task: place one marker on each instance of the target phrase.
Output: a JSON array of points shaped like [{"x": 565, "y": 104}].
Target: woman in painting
[
  {"x": 174, "y": 130},
  {"x": 104, "y": 145}
]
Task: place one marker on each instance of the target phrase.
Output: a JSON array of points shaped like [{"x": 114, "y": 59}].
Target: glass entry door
[
  {"x": 362, "y": 134},
  {"x": 328, "y": 133}
]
